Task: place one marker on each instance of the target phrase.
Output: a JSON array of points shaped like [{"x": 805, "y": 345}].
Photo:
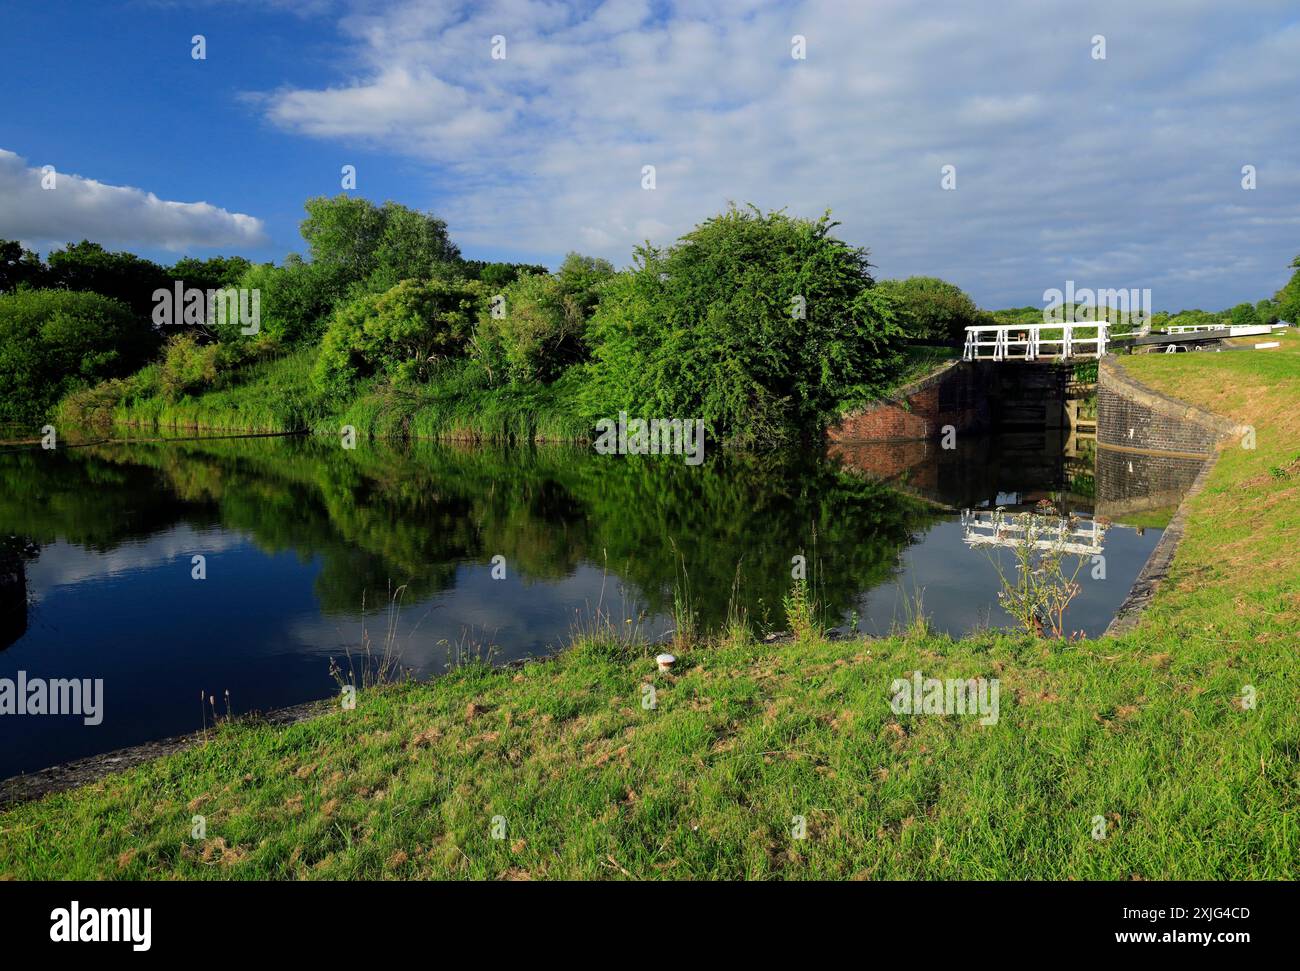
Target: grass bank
[
  {"x": 1179, "y": 742},
  {"x": 278, "y": 395}
]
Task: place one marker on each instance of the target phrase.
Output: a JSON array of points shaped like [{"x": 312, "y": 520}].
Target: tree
[
  {"x": 761, "y": 324},
  {"x": 123, "y": 276},
  {"x": 1288, "y": 298},
  {"x": 931, "y": 309},
  {"x": 19, "y": 267},
  {"x": 56, "y": 341},
  {"x": 1243, "y": 315},
  {"x": 401, "y": 334},
  {"x": 581, "y": 278},
  {"x": 214, "y": 273},
  {"x": 373, "y": 245},
  {"x": 497, "y": 276},
  {"x": 413, "y": 246},
  {"x": 294, "y": 300},
  {"x": 1195, "y": 318}
]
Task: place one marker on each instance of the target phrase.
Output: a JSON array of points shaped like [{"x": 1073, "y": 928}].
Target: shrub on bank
[
  {"x": 190, "y": 367},
  {"x": 53, "y": 342},
  {"x": 401, "y": 334},
  {"x": 99, "y": 403},
  {"x": 532, "y": 335},
  {"x": 761, "y": 324},
  {"x": 930, "y": 309}
]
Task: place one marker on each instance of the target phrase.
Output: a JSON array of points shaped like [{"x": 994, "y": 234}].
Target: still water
[{"x": 304, "y": 543}]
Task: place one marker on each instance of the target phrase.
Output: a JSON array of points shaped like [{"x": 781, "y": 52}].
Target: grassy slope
[
  {"x": 269, "y": 396},
  {"x": 1146, "y": 731},
  {"x": 278, "y": 396}
]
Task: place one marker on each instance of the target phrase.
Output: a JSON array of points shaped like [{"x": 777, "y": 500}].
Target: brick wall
[{"x": 954, "y": 396}]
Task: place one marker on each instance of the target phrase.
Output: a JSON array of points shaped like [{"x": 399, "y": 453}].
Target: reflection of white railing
[
  {"x": 1083, "y": 536},
  {"x": 1025, "y": 342}
]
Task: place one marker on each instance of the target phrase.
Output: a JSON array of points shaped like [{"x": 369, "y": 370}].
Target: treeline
[
  {"x": 85, "y": 314},
  {"x": 763, "y": 324}
]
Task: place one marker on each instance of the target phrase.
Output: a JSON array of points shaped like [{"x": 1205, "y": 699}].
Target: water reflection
[
  {"x": 305, "y": 543},
  {"x": 1133, "y": 483},
  {"x": 1079, "y": 535}
]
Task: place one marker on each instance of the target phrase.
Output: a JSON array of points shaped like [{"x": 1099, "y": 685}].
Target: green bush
[
  {"x": 1244, "y": 315},
  {"x": 401, "y": 334},
  {"x": 191, "y": 367},
  {"x": 931, "y": 309},
  {"x": 762, "y": 325},
  {"x": 187, "y": 366},
  {"x": 294, "y": 300},
  {"x": 534, "y": 333},
  {"x": 56, "y": 341}
]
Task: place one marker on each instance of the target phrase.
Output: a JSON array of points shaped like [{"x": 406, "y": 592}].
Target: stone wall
[
  {"x": 1132, "y": 416},
  {"x": 1146, "y": 440}
]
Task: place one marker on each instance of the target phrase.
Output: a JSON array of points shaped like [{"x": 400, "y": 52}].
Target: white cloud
[
  {"x": 79, "y": 208},
  {"x": 1126, "y": 169}
]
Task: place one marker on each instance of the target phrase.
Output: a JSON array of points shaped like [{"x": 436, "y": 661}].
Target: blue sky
[{"x": 1122, "y": 172}]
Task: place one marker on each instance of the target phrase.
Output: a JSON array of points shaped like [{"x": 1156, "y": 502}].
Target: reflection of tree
[
  {"x": 378, "y": 517},
  {"x": 75, "y": 495}
]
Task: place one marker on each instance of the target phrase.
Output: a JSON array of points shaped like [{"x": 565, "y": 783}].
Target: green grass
[
  {"x": 268, "y": 396},
  {"x": 454, "y": 409},
  {"x": 278, "y": 395},
  {"x": 918, "y": 361},
  {"x": 1148, "y": 518},
  {"x": 1150, "y": 731},
  {"x": 706, "y": 784}
]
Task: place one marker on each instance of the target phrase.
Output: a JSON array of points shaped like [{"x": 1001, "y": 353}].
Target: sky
[{"x": 1115, "y": 172}]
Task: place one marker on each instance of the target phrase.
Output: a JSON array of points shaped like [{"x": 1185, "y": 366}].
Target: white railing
[
  {"x": 1234, "y": 330},
  {"x": 1083, "y": 536},
  {"x": 1025, "y": 342}
]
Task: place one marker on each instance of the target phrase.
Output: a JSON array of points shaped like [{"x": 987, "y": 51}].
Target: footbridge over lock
[{"x": 1041, "y": 343}]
